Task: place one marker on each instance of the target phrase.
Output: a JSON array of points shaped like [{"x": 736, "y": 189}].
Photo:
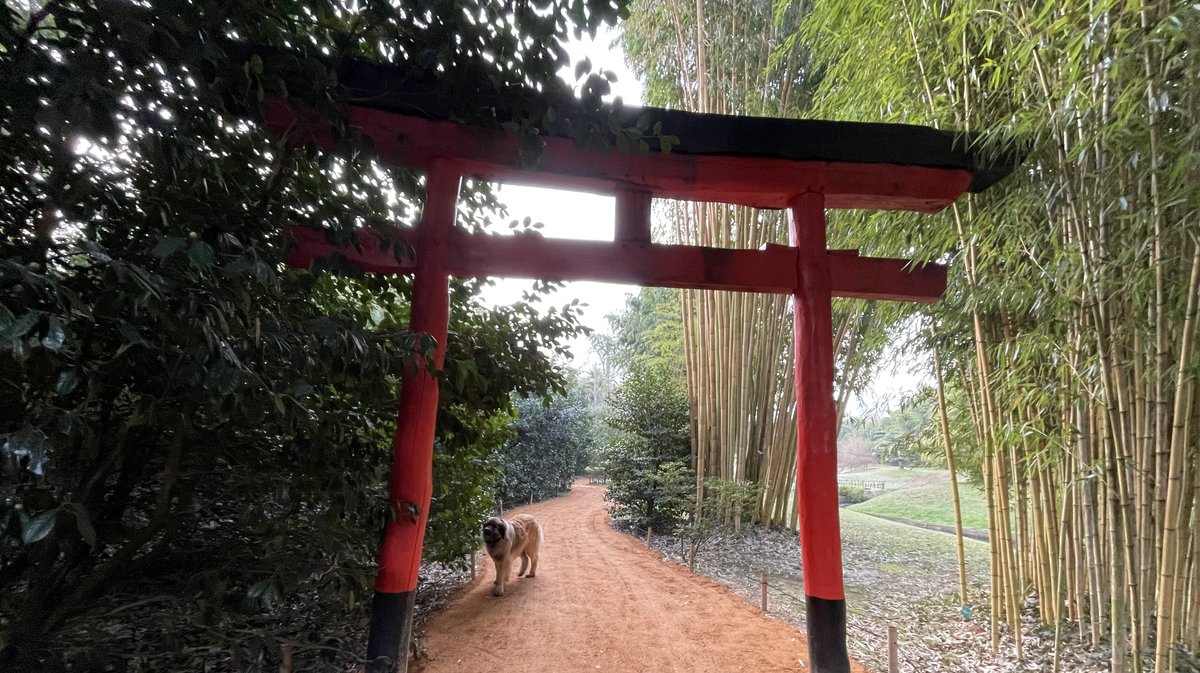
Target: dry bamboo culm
[{"x": 739, "y": 364}]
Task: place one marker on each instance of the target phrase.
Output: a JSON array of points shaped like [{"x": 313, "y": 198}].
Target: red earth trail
[{"x": 602, "y": 601}]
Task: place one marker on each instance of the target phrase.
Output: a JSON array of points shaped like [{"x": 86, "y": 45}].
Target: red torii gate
[{"x": 805, "y": 166}]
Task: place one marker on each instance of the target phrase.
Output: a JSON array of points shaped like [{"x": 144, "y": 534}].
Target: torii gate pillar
[
  {"x": 816, "y": 438},
  {"x": 410, "y": 488}
]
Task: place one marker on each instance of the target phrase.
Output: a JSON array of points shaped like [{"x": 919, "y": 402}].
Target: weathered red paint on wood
[
  {"x": 410, "y": 488},
  {"x": 816, "y": 417},
  {"x": 770, "y": 270},
  {"x": 749, "y": 181},
  {"x": 633, "y": 216}
]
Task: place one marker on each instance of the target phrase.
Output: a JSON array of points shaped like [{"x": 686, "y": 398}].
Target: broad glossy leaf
[
  {"x": 257, "y": 589},
  {"x": 67, "y": 381},
  {"x": 200, "y": 254},
  {"x": 20, "y": 326},
  {"x": 83, "y": 522},
  {"x": 55, "y": 334},
  {"x": 29, "y": 443},
  {"x": 168, "y": 246},
  {"x": 583, "y": 67},
  {"x": 39, "y": 527}
]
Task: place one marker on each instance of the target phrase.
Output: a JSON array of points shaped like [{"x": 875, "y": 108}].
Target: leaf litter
[{"x": 901, "y": 576}]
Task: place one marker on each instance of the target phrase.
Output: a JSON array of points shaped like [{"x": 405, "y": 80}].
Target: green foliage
[
  {"x": 721, "y": 510},
  {"x": 908, "y": 436},
  {"x": 464, "y": 477},
  {"x": 730, "y": 501},
  {"x": 550, "y": 449},
  {"x": 673, "y": 485},
  {"x": 176, "y": 406},
  {"x": 646, "y": 462},
  {"x": 852, "y": 494},
  {"x": 648, "y": 332}
]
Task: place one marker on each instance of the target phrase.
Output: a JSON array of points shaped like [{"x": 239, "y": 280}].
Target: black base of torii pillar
[{"x": 816, "y": 438}]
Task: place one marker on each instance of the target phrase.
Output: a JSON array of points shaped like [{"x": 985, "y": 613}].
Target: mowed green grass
[
  {"x": 931, "y": 503},
  {"x": 883, "y": 560},
  {"x": 896, "y": 477},
  {"x": 906, "y": 546}
]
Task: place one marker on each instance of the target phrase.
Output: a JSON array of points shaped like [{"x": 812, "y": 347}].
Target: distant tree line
[{"x": 907, "y": 436}]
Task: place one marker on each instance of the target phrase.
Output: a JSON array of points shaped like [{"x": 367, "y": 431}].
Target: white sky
[{"x": 575, "y": 215}]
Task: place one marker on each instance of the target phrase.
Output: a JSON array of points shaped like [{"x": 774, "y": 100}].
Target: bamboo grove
[
  {"x": 717, "y": 57},
  {"x": 1067, "y": 339}
]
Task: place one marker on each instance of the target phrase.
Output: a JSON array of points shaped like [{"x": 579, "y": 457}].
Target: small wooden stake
[
  {"x": 893, "y": 653},
  {"x": 649, "y": 535},
  {"x": 764, "y": 592},
  {"x": 285, "y": 657}
]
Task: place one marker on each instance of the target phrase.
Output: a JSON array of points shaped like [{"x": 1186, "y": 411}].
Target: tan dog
[{"x": 506, "y": 540}]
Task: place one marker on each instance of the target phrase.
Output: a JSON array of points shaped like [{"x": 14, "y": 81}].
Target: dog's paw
[
  {"x": 531, "y": 576},
  {"x": 497, "y": 591}
]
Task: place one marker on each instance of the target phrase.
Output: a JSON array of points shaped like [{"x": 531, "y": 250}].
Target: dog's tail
[{"x": 540, "y": 538}]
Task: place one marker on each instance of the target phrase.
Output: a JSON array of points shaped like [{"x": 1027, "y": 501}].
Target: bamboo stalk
[
  {"x": 1168, "y": 564},
  {"x": 958, "y": 525}
]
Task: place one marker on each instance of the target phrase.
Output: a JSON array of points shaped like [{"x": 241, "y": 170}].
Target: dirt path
[{"x": 603, "y": 602}]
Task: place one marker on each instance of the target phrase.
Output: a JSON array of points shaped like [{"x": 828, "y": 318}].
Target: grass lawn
[
  {"x": 897, "y": 546},
  {"x": 930, "y": 503},
  {"x": 894, "y": 478},
  {"x": 889, "y": 566}
]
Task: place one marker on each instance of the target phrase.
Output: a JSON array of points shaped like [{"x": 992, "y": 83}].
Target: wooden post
[
  {"x": 285, "y": 657},
  {"x": 649, "y": 534},
  {"x": 410, "y": 487},
  {"x": 632, "y": 216},
  {"x": 764, "y": 592},
  {"x": 893, "y": 652},
  {"x": 816, "y": 438}
]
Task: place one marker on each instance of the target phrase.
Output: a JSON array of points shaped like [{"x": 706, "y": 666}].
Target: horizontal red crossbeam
[
  {"x": 770, "y": 270},
  {"x": 750, "y": 181}
]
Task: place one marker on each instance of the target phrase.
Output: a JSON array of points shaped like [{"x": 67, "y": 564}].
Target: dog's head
[{"x": 494, "y": 530}]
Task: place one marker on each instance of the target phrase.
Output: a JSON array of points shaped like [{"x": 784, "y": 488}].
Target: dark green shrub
[
  {"x": 647, "y": 460},
  {"x": 850, "y": 495}
]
